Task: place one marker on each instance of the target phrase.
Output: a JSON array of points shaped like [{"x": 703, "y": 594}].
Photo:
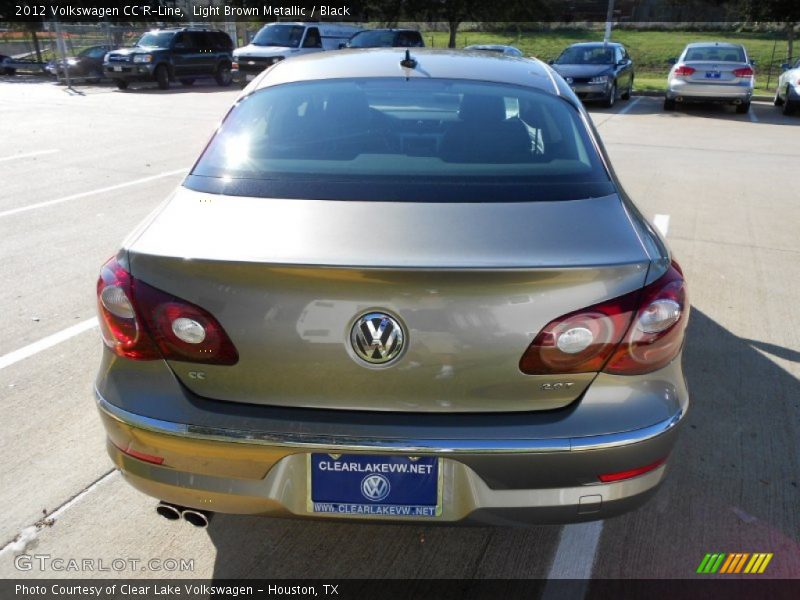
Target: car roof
[
  {"x": 595, "y": 44},
  {"x": 392, "y": 29},
  {"x": 720, "y": 44},
  {"x": 431, "y": 63}
]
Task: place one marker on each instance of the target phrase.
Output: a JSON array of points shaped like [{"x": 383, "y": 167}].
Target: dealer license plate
[{"x": 374, "y": 485}]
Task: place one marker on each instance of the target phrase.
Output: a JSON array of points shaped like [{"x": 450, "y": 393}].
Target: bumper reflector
[
  {"x": 630, "y": 473},
  {"x": 156, "y": 460}
]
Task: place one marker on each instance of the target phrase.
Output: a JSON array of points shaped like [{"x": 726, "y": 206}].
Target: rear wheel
[
  {"x": 612, "y": 96},
  {"x": 669, "y": 104},
  {"x": 788, "y": 104},
  {"x": 121, "y": 84},
  {"x": 162, "y": 77},
  {"x": 187, "y": 82},
  {"x": 777, "y": 100},
  {"x": 743, "y": 108},
  {"x": 223, "y": 75}
]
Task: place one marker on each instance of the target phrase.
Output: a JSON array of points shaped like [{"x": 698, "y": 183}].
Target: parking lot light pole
[
  {"x": 609, "y": 17},
  {"x": 62, "y": 50}
]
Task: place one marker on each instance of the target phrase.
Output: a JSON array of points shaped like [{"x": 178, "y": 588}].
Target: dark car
[
  {"x": 179, "y": 54},
  {"x": 386, "y": 38},
  {"x": 87, "y": 64},
  {"x": 4, "y": 68},
  {"x": 498, "y": 48},
  {"x": 597, "y": 71}
]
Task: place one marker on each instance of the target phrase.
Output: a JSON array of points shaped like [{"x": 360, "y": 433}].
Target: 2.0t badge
[{"x": 377, "y": 338}]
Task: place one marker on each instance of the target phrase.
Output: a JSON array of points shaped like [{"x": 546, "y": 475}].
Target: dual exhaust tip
[{"x": 173, "y": 512}]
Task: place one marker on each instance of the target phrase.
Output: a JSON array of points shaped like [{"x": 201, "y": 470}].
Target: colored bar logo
[{"x": 737, "y": 562}]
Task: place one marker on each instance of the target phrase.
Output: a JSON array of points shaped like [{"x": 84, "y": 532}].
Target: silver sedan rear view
[
  {"x": 711, "y": 72},
  {"x": 396, "y": 287}
]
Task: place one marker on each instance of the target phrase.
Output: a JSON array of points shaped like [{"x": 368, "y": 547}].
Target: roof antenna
[{"x": 408, "y": 62}]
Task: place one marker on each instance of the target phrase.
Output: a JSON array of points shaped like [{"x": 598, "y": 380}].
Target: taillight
[
  {"x": 122, "y": 331},
  {"x": 656, "y": 334},
  {"x": 141, "y": 322},
  {"x": 684, "y": 70},
  {"x": 636, "y": 333},
  {"x": 743, "y": 72}
]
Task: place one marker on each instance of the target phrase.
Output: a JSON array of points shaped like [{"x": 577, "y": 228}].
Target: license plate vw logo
[{"x": 375, "y": 487}]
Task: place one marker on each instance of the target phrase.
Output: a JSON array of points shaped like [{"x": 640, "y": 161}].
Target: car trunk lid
[{"x": 470, "y": 283}]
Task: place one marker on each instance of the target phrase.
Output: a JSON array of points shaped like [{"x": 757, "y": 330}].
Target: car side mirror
[
  {"x": 342, "y": 45},
  {"x": 672, "y": 61},
  {"x": 785, "y": 67},
  {"x": 753, "y": 62},
  {"x": 550, "y": 62}
]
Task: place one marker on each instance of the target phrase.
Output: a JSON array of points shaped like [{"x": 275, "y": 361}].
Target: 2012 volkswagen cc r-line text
[{"x": 403, "y": 287}]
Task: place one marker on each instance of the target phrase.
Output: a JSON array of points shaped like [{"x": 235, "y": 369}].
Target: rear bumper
[
  {"x": 709, "y": 92},
  {"x": 249, "y": 472}
]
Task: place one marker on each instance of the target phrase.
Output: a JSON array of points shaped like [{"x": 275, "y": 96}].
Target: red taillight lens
[
  {"x": 631, "y": 473},
  {"x": 684, "y": 70},
  {"x": 743, "y": 72},
  {"x": 636, "y": 333},
  {"x": 122, "y": 331},
  {"x": 581, "y": 341},
  {"x": 144, "y": 323},
  {"x": 656, "y": 334}
]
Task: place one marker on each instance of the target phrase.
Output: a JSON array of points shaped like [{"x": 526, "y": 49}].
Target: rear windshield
[
  {"x": 279, "y": 35},
  {"x": 715, "y": 53},
  {"x": 398, "y": 139}
]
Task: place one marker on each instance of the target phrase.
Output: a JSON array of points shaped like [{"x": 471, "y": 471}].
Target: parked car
[
  {"x": 87, "y": 64},
  {"x": 396, "y": 286},
  {"x": 787, "y": 93},
  {"x": 597, "y": 71},
  {"x": 177, "y": 54},
  {"x": 278, "y": 41},
  {"x": 386, "y": 38},
  {"x": 5, "y": 67},
  {"x": 716, "y": 72},
  {"x": 498, "y": 48}
]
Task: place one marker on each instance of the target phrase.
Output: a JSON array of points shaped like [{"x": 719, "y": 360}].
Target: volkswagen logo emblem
[
  {"x": 377, "y": 338},
  {"x": 375, "y": 487}
]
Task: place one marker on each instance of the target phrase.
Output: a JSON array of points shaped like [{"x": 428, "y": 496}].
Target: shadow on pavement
[{"x": 734, "y": 475}]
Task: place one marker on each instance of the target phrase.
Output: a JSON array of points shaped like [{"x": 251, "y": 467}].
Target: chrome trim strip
[{"x": 341, "y": 443}]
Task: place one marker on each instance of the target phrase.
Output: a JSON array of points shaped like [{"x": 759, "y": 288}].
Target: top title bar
[{"x": 394, "y": 11}]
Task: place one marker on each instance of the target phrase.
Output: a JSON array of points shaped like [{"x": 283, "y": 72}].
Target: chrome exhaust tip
[
  {"x": 737, "y": 101},
  {"x": 169, "y": 511},
  {"x": 198, "y": 518},
  {"x": 679, "y": 99}
]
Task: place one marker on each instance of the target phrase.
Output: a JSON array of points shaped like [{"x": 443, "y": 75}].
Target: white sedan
[{"x": 787, "y": 94}]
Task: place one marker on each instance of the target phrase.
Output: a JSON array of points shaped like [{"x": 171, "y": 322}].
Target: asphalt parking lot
[{"x": 79, "y": 170}]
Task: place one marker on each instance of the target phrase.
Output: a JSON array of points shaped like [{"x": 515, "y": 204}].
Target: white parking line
[
  {"x": 110, "y": 188},
  {"x": 15, "y": 547},
  {"x": 752, "y": 115},
  {"x": 574, "y": 557},
  {"x": 27, "y": 155},
  {"x": 51, "y": 340},
  {"x": 630, "y": 105},
  {"x": 662, "y": 223}
]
